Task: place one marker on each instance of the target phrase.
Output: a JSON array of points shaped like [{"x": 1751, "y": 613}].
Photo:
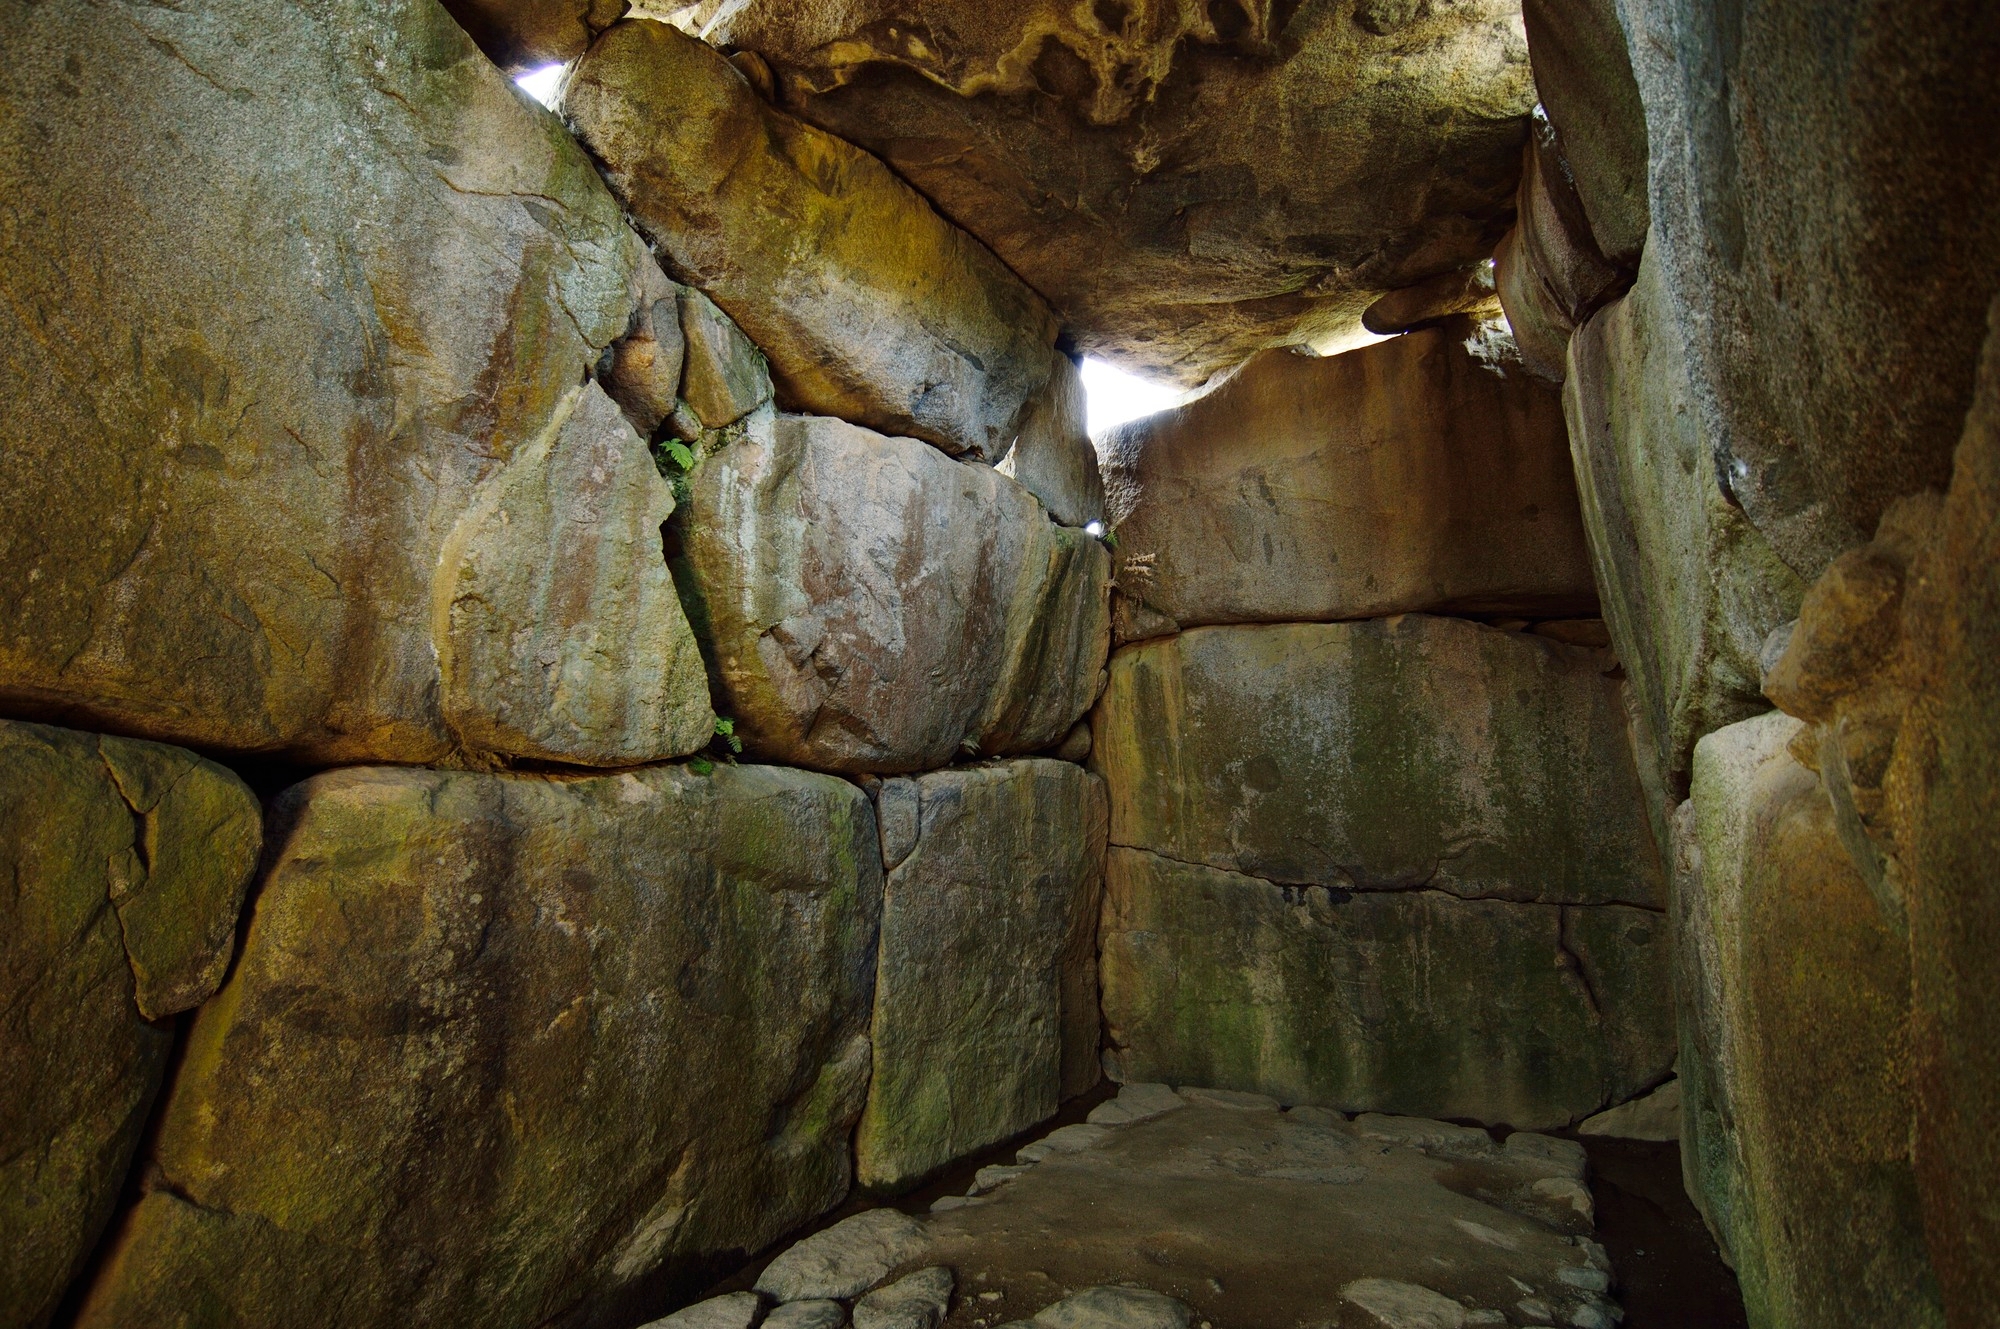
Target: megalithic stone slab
[
  {"x": 1412, "y": 1002},
  {"x": 1831, "y": 227},
  {"x": 986, "y": 994},
  {"x": 1795, "y": 1047},
  {"x": 1188, "y": 182},
  {"x": 870, "y": 305},
  {"x": 127, "y": 864},
  {"x": 291, "y": 292},
  {"x": 1053, "y": 458},
  {"x": 1584, "y": 78},
  {"x": 1389, "y": 753},
  {"x": 869, "y": 604},
  {"x": 559, "y": 631},
  {"x": 1690, "y": 588},
  {"x": 1426, "y": 473},
  {"x": 538, "y": 1046}
]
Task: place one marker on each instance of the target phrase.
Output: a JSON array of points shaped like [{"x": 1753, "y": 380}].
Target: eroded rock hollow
[{"x": 590, "y": 737}]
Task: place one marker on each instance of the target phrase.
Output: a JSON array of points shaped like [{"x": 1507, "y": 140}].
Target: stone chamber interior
[{"x": 589, "y": 739}]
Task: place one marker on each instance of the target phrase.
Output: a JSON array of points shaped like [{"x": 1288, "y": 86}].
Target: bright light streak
[
  {"x": 541, "y": 84},
  {"x": 1115, "y": 396}
]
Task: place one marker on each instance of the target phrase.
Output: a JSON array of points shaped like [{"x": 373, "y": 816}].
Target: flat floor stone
[{"x": 1270, "y": 1220}]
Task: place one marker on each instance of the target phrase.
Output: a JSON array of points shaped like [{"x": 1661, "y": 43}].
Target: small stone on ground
[
  {"x": 914, "y": 1301},
  {"x": 1115, "y": 1308},
  {"x": 814, "y": 1314},
  {"x": 737, "y": 1310},
  {"x": 845, "y": 1260}
]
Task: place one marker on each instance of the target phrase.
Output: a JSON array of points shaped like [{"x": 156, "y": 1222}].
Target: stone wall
[
  {"x": 1388, "y": 863},
  {"x": 1789, "y": 372},
  {"x": 479, "y": 483},
  {"x": 357, "y": 439}
]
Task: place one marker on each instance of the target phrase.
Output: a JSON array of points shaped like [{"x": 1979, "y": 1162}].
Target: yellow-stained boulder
[
  {"x": 296, "y": 310},
  {"x": 1426, "y": 473},
  {"x": 870, "y": 305},
  {"x": 127, "y": 864},
  {"x": 1892, "y": 667},
  {"x": 869, "y": 604},
  {"x": 1188, "y": 181},
  {"x": 514, "y": 1048},
  {"x": 1794, "y": 993}
]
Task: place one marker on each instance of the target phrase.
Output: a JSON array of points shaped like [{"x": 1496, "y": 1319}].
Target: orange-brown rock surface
[
  {"x": 1427, "y": 473},
  {"x": 296, "y": 317},
  {"x": 1187, "y": 183}
]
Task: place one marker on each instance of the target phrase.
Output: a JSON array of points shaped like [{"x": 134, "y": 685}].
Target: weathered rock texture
[
  {"x": 1795, "y": 1054},
  {"x": 530, "y": 1045},
  {"x": 1691, "y": 590},
  {"x": 298, "y": 305},
  {"x": 1388, "y": 754},
  {"x": 126, "y": 864},
  {"x": 1187, "y": 183},
  {"x": 986, "y": 994},
  {"x": 870, "y": 306},
  {"x": 1548, "y": 272},
  {"x": 1053, "y": 458},
  {"x": 1584, "y": 78},
  {"x": 1407, "y": 1001},
  {"x": 1891, "y": 665},
  {"x": 1826, "y": 207},
  {"x": 1394, "y": 865},
  {"x": 869, "y": 604},
  {"x": 1426, "y": 473},
  {"x": 523, "y": 34}
]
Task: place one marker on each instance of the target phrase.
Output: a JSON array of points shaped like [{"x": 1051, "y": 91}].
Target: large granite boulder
[
  {"x": 986, "y": 992},
  {"x": 1187, "y": 182},
  {"x": 1388, "y": 754},
  {"x": 1053, "y": 458},
  {"x": 525, "y": 34},
  {"x": 1825, "y": 203},
  {"x": 1549, "y": 272},
  {"x": 1892, "y": 666},
  {"x": 870, "y": 305},
  {"x": 1948, "y": 803},
  {"x": 1426, "y": 473},
  {"x": 1691, "y": 589},
  {"x": 1583, "y": 75},
  {"x": 869, "y": 604},
  {"x": 126, "y": 863},
  {"x": 296, "y": 309},
  {"x": 1795, "y": 1046},
  {"x": 540, "y": 1047},
  {"x": 1415, "y": 1002}
]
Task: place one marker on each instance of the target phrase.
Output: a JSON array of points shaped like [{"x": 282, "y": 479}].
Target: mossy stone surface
[
  {"x": 1690, "y": 588},
  {"x": 290, "y": 294},
  {"x": 1413, "y": 1002},
  {"x": 544, "y": 1047},
  {"x": 986, "y": 995},
  {"x": 1795, "y": 1044},
  {"x": 127, "y": 862},
  {"x": 1387, "y": 753},
  {"x": 870, "y": 305}
]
